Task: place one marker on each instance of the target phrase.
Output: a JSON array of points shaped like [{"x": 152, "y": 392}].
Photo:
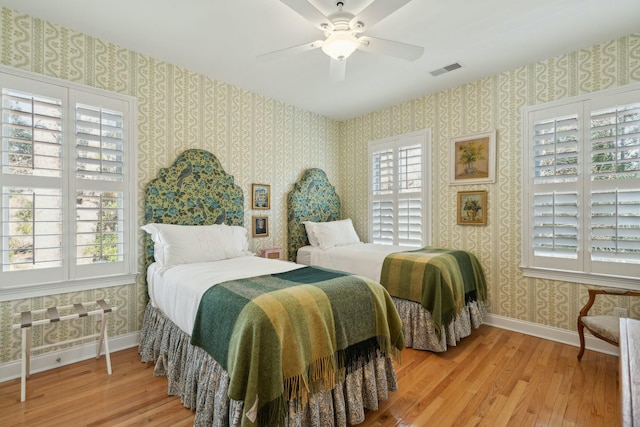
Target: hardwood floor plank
[{"x": 494, "y": 377}]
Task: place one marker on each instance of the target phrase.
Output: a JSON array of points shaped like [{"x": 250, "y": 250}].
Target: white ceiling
[{"x": 221, "y": 39}]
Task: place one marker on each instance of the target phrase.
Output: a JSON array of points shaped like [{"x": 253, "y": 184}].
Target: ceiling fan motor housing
[{"x": 341, "y": 41}]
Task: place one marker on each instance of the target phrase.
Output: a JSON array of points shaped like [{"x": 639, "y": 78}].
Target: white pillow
[
  {"x": 185, "y": 244},
  {"x": 308, "y": 225},
  {"x": 335, "y": 233}
]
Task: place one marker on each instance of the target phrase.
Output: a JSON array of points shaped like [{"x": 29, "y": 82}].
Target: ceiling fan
[{"x": 342, "y": 34}]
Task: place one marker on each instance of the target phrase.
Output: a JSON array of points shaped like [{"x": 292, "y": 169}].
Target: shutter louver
[
  {"x": 31, "y": 134},
  {"x": 410, "y": 222},
  {"x": 555, "y": 225},
  {"x": 33, "y": 228},
  {"x": 99, "y": 143},
  {"x": 99, "y": 235},
  {"x": 615, "y": 143},
  {"x": 615, "y": 226},
  {"x": 383, "y": 172},
  {"x": 410, "y": 169},
  {"x": 556, "y": 150},
  {"x": 383, "y": 222}
]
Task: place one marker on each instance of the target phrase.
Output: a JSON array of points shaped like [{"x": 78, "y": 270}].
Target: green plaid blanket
[
  {"x": 289, "y": 335},
  {"x": 442, "y": 280}
]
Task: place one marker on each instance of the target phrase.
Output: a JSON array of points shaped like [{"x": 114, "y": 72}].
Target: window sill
[
  {"x": 56, "y": 288},
  {"x": 583, "y": 278}
]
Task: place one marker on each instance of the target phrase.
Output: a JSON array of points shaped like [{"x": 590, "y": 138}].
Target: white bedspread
[
  {"x": 364, "y": 259},
  {"x": 177, "y": 290}
]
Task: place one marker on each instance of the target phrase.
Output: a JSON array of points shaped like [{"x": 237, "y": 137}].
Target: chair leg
[{"x": 581, "y": 335}]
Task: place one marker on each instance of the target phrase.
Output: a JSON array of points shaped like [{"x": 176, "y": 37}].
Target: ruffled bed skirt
[
  {"x": 202, "y": 384},
  {"x": 420, "y": 332}
]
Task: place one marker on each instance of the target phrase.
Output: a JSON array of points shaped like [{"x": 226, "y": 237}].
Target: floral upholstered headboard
[
  {"x": 195, "y": 190},
  {"x": 313, "y": 198}
]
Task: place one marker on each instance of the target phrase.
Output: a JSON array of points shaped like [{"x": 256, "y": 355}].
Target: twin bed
[
  {"x": 273, "y": 342},
  {"x": 245, "y": 340},
  {"x": 438, "y": 309}
]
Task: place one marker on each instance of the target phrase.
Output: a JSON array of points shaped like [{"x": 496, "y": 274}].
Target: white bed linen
[
  {"x": 364, "y": 259},
  {"x": 177, "y": 290}
]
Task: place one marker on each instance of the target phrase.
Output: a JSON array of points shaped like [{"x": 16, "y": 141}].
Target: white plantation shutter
[
  {"x": 399, "y": 191},
  {"x": 383, "y": 207},
  {"x": 615, "y": 185},
  {"x": 100, "y": 185},
  {"x": 66, "y": 195},
  {"x": 582, "y": 187},
  {"x": 555, "y": 195},
  {"x": 32, "y": 168}
]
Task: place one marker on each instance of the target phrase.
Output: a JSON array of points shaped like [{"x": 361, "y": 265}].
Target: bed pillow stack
[
  {"x": 186, "y": 244},
  {"x": 331, "y": 234}
]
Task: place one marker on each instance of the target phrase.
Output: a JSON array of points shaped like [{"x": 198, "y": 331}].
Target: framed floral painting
[
  {"x": 472, "y": 207},
  {"x": 473, "y": 159}
]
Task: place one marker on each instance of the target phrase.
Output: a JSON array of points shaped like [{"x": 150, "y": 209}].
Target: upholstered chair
[{"x": 605, "y": 327}]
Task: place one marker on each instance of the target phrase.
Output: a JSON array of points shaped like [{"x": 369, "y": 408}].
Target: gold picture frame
[
  {"x": 260, "y": 196},
  {"x": 473, "y": 159},
  {"x": 260, "y": 226},
  {"x": 472, "y": 207}
]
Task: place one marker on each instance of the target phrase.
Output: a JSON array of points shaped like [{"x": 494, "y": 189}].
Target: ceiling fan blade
[
  {"x": 277, "y": 54},
  {"x": 310, "y": 13},
  {"x": 400, "y": 50},
  {"x": 377, "y": 11},
  {"x": 337, "y": 69}
]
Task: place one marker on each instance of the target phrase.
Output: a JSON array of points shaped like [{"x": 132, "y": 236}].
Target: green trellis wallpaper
[
  {"x": 256, "y": 139},
  {"x": 493, "y": 103},
  {"x": 261, "y": 140}
]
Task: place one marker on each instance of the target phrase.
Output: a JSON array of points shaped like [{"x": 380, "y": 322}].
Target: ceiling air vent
[{"x": 446, "y": 69}]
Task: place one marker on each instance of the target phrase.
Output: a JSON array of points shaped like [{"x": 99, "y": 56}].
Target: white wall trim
[
  {"x": 11, "y": 370},
  {"x": 550, "y": 333}
]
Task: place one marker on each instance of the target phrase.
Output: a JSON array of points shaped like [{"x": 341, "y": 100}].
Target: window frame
[
  {"x": 424, "y": 139},
  {"x": 584, "y": 269},
  {"x": 72, "y": 277}
]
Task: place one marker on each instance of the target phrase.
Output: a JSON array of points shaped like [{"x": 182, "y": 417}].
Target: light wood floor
[{"x": 494, "y": 377}]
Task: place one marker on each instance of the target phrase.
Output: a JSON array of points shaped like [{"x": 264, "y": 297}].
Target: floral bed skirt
[
  {"x": 420, "y": 332},
  {"x": 202, "y": 384}
]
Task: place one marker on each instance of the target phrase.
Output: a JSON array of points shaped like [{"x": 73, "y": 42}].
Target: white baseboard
[
  {"x": 55, "y": 359},
  {"x": 550, "y": 333}
]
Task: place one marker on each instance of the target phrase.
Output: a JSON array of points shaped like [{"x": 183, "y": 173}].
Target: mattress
[
  {"x": 364, "y": 259},
  {"x": 177, "y": 290}
]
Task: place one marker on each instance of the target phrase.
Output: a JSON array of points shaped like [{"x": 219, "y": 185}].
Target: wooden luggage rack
[{"x": 52, "y": 316}]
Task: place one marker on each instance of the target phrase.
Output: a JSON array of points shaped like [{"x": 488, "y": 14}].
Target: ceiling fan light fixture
[{"x": 340, "y": 44}]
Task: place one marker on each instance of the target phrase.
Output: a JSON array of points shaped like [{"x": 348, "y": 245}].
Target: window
[
  {"x": 582, "y": 189},
  {"x": 67, "y": 187},
  {"x": 399, "y": 190}
]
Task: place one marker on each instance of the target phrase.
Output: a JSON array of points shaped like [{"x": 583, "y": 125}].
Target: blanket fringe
[
  {"x": 273, "y": 412},
  {"x": 323, "y": 374}
]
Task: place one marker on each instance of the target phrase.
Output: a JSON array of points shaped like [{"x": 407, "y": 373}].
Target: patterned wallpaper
[
  {"x": 259, "y": 140},
  {"x": 493, "y": 103}
]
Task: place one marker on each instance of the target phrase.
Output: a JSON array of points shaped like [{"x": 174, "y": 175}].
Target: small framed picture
[
  {"x": 260, "y": 226},
  {"x": 473, "y": 159},
  {"x": 472, "y": 207},
  {"x": 260, "y": 196}
]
